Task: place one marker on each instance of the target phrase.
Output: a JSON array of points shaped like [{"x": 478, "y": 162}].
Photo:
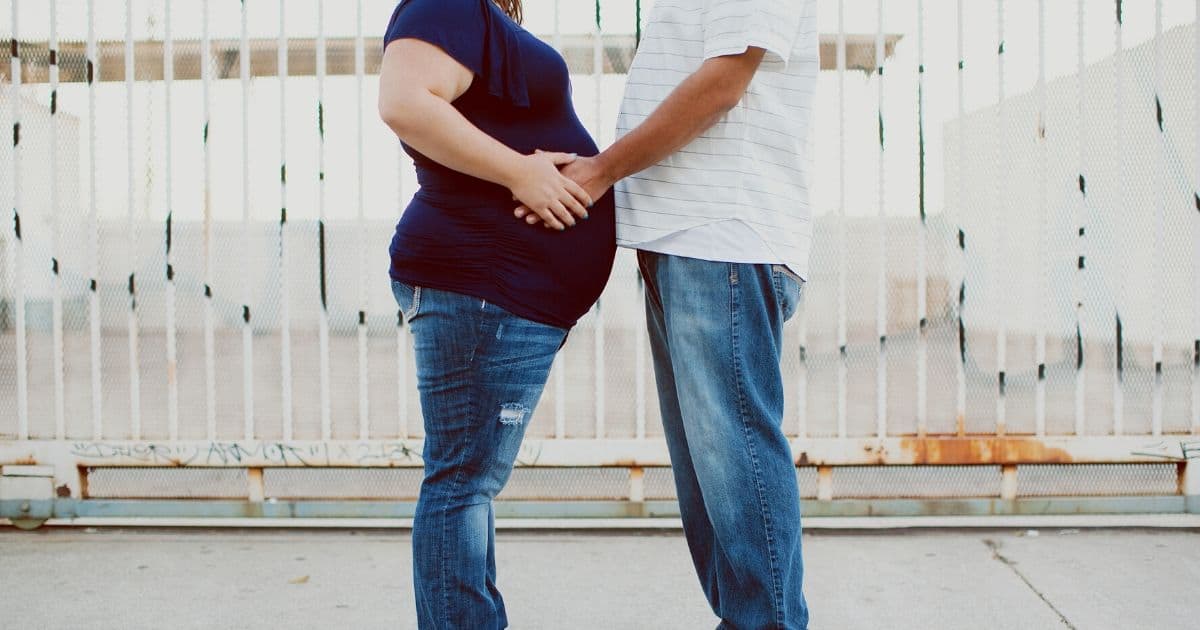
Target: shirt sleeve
[
  {"x": 455, "y": 26},
  {"x": 473, "y": 34},
  {"x": 733, "y": 26}
]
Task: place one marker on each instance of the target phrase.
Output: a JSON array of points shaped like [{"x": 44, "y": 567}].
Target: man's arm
[
  {"x": 690, "y": 110},
  {"x": 693, "y": 108}
]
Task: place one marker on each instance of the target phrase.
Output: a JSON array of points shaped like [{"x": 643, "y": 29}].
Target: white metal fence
[{"x": 1007, "y": 263}]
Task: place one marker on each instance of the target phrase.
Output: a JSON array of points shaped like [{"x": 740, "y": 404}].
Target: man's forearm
[{"x": 693, "y": 108}]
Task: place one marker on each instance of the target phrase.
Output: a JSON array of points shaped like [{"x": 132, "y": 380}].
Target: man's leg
[
  {"x": 711, "y": 567},
  {"x": 717, "y": 335}
]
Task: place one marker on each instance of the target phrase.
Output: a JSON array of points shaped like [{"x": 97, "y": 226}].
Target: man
[{"x": 711, "y": 190}]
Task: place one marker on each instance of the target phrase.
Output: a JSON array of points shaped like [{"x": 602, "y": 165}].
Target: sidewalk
[{"x": 185, "y": 578}]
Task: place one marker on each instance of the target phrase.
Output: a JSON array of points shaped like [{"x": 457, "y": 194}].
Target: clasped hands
[{"x": 583, "y": 175}]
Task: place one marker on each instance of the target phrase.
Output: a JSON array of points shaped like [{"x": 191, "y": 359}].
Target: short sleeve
[
  {"x": 732, "y": 26},
  {"x": 455, "y": 26},
  {"x": 473, "y": 34}
]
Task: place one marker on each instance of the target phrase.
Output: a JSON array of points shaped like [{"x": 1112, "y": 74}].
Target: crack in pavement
[{"x": 995, "y": 548}]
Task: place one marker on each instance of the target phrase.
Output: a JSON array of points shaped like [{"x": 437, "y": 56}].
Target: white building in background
[{"x": 1017, "y": 239}]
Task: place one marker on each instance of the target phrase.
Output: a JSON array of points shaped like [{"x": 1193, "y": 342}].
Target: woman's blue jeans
[{"x": 480, "y": 373}]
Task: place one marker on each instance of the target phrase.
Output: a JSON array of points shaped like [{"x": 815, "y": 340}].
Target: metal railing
[{"x": 1006, "y": 272}]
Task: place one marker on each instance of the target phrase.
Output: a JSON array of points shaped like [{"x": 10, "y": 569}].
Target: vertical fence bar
[
  {"x": 1042, "y": 288},
  {"x": 843, "y": 356},
  {"x": 960, "y": 409},
  {"x": 639, "y": 334},
  {"x": 598, "y": 70},
  {"x": 247, "y": 333},
  {"x": 998, "y": 219},
  {"x": 285, "y": 300},
  {"x": 1122, "y": 199},
  {"x": 802, "y": 368},
  {"x": 560, "y": 397},
  {"x": 359, "y": 74},
  {"x": 168, "y": 188},
  {"x": 1081, "y": 222},
  {"x": 922, "y": 238},
  {"x": 557, "y": 26},
  {"x": 16, "y": 257},
  {"x": 60, "y": 421},
  {"x": 1196, "y": 238},
  {"x": 1160, "y": 222},
  {"x": 93, "y": 70},
  {"x": 637, "y": 24},
  {"x": 135, "y": 387},
  {"x": 802, "y": 315},
  {"x": 881, "y": 301},
  {"x": 326, "y": 403},
  {"x": 598, "y": 73},
  {"x": 210, "y": 361}
]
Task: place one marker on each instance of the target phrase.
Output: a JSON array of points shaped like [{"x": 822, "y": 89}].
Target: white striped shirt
[{"x": 739, "y": 192}]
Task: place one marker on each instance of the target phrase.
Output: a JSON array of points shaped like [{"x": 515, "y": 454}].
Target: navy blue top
[{"x": 459, "y": 233}]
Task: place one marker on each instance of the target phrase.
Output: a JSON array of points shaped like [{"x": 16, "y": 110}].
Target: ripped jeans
[{"x": 480, "y": 372}]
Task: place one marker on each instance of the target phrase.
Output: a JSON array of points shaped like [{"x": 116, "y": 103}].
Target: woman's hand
[
  {"x": 589, "y": 173},
  {"x": 554, "y": 198}
]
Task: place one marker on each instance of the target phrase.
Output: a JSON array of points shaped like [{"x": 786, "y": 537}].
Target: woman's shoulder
[
  {"x": 442, "y": 9},
  {"x": 463, "y": 21}
]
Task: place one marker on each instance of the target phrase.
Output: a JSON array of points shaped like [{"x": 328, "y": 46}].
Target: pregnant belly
[
  {"x": 482, "y": 249},
  {"x": 570, "y": 266}
]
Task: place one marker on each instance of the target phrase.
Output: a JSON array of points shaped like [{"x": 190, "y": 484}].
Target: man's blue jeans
[
  {"x": 480, "y": 373},
  {"x": 716, "y": 334}
]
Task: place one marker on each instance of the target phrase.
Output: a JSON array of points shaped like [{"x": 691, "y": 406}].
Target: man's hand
[{"x": 588, "y": 173}]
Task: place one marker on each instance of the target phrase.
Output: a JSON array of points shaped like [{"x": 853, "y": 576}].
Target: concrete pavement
[{"x": 198, "y": 578}]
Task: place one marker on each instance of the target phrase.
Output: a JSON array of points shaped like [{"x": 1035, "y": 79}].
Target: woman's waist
[
  {"x": 487, "y": 230},
  {"x": 451, "y": 189}
]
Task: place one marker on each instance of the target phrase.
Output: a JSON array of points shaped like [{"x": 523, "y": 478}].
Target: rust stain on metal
[
  {"x": 982, "y": 450},
  {"x": 961, "y": 426}
]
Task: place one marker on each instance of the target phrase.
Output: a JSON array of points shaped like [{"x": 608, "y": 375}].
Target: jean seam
[
  {"x": 776, "y": 587},
  {"x": 416, "y": 308},
  {"x": 458, "y": 473}
]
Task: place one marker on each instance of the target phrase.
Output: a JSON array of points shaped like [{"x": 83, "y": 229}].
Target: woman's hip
[{"x": 468, "y": 348}]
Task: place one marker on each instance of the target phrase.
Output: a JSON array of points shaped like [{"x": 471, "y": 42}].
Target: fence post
[
  {"x": 1008, "y": 482},
  {"x": 70, "y": 479},
  {"x": 824, "y": 483},
  {"x": 1189, "y": 485},
  {"x": 256, "y": 489},
  {"x": 637, "y": 484}
]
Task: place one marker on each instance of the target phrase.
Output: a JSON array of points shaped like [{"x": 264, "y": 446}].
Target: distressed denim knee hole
[{"x": 513, "y": 414}]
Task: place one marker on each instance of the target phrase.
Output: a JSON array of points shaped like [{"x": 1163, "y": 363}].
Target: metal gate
[{"x": 1003, "y": 314}]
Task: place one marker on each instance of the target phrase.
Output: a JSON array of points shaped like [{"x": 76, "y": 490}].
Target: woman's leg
[{"x": 480, "y": 372}]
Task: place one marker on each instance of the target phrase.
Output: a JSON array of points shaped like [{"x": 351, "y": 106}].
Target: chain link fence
[{"x": 1007, "y": 242}]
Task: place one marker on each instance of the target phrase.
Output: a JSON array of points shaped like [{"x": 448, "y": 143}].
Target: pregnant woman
[{"x": 484, "y": 109}]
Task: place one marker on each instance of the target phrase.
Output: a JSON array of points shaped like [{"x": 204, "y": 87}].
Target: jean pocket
[
  {"x": 787, "y": 292},
  {"x": 408, "y": 298}
]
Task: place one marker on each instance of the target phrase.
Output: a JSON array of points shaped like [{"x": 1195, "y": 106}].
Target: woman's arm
[{"x": 418, "y": 83}]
